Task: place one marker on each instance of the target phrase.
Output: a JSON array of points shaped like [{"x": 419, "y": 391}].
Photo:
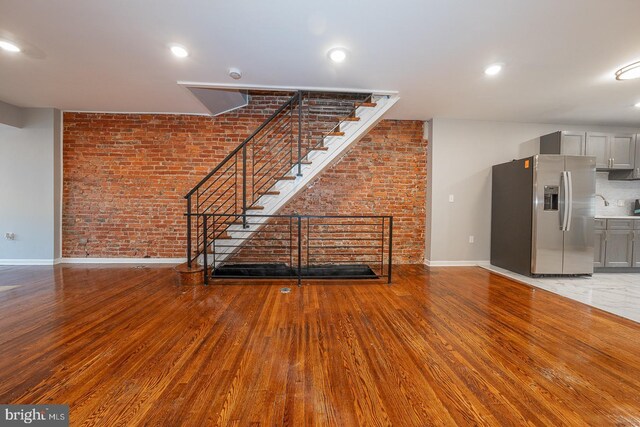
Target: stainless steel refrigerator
[{"x": 542, "y": 215}]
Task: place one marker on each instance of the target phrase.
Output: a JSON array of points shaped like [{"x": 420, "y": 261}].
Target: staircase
[{"x": 307, "y": 134}]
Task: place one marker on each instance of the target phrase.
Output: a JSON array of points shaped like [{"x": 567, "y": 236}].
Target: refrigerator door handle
[
  {"x": 565, "y": 202},
  {"x": 570, "y": 200}
]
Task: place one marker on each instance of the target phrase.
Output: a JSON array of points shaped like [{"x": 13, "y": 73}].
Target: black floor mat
[{"x": 349, "y": 271}]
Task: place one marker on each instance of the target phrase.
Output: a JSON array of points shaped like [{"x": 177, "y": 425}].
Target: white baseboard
[
  {"x": 430, "y": 263},
  {"x": 123, "y": 260},
  {"x": 26, "y": 262}
]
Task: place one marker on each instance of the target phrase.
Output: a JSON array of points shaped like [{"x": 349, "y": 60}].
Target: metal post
[
  {"x": 244, "y": 186},
  {"x": 390, "y": 246},
  {"x": 299, "y": 133},
  {"x": 189, "y": 231},
  {"x": 382, "y": 247},
  {"x": 308, "y": 240},
  {"x": 204, "y": 242},
  {"x": 213, "y": 267},
  {"x": 299, "y": 250}
]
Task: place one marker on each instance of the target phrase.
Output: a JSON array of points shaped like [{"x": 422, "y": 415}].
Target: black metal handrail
[
  {"x": 278, "y": 146},
  {"x": 239, "y": 147},
  {"x": 301, "y": 243}
]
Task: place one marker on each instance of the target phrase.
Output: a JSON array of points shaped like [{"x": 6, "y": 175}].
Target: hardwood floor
[{"x": 128, "y": 346}]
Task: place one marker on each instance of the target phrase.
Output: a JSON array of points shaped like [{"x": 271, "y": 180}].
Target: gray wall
[
  {"x": 463, "y": 152},
  {"x": 29, "y": 189},
  {"x": 428, "y": 127},
  {"x": 57, "y": 184},
  {"x": 11, "y": 115}
]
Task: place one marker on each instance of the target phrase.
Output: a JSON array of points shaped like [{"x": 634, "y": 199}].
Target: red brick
[{"x": 125, "y": 176}]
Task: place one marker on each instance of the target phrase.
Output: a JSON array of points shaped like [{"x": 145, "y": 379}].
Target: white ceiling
[{"x": 109, "y": 55}]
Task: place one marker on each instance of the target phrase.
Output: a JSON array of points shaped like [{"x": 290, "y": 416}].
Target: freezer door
[
  {"x": 548, "y": 204},
  {"x": 579, "y": 234}
]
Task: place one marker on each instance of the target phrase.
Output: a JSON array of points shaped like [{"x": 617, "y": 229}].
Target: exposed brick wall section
[
  {"x": 125, "y": 175},
  {"x": 383, "y": 174}
]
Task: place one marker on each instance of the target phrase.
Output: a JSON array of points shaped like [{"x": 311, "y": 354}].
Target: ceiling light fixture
[
  {"x": 637, "y": 105},
  {"x": 337, "y": 54},
  {"x": 631, "y": 71},
  {"x": 179, "y": 51},
  {"x": 493, "y": 70},
  {"x": 8, "y": 46}
]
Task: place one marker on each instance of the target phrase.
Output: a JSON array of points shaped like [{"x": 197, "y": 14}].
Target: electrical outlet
[
  {"x": 621, "y": 203},
  {"x": 472, "y": 239},
  {"x": 450, "y": 198},
  {"x": 10, "y": 236}
]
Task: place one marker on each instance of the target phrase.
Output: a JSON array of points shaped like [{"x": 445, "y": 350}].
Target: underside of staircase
[{"x": 238, "y": 203}]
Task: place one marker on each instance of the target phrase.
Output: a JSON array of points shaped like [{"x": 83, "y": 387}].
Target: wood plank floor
[{"x": 448, "y": 346}]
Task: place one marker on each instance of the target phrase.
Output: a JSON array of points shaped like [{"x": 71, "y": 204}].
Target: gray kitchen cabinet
[
  {"x": 597, "y": 145},
  {"x": 636, "y": 171},
  {"x": 623, "y": 149},
  {"x": 599, "y": 245},
  {"x": 636, "y": 243},
  {"x": 612, "y": 151},
  {"x": 636, "y": 248},
  {"x": 564, "y": 142},
  {"x": 619, "y": 243},
  {"x": 633, "y": 174},
  {"x": 621, "y": 224}
]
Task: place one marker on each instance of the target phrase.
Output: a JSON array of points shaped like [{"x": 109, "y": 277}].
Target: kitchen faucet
[{"x": 603, "y": 199}]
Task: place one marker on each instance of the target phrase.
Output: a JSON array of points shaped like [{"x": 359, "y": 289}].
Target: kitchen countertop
[{"x": 617, "y": 217}]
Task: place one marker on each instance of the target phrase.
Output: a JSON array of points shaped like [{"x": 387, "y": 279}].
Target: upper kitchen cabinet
[
  {"x": 623, "y": 149},
  {"x": 564, "y": 142},
  {"x": 598, "y": 145},
  {"x": 612, "y": 150},
  {"x": 633, "y": 174}
]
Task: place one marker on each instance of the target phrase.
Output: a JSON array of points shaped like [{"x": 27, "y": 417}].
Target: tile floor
[{"x": 617, "y": 293}]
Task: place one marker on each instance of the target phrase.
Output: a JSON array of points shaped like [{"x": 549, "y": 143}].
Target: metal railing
[
  {"x": 298, "y": 246},
  {"x": 277, "y": 148}
]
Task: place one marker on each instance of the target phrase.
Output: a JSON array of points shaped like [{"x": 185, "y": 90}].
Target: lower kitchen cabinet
[
  {"x": 636, "y": 247},
  {"x": 599, "y": 245},
  {"x": 619, "y": 248},
  {"x": 617, "y": 243}
]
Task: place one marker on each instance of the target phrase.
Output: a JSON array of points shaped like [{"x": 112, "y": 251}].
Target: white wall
[
  {"x": 463, "y": 152},
  {"x": 29, "y": 199}
]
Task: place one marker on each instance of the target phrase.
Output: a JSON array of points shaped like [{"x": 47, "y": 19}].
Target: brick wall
[
  {"x": 125, "y": 175},
  {"x": 383, "y": 174}
]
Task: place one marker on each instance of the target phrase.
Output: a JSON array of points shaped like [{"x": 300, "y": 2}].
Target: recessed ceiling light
[
  {"x": 179, "y": 51},
  {"x": 492, "y": 70},
  {"x": 337, "y": 54},
  {"x": 637, "y": 105},
  {"x": 8, "y": 46},
  {"x": 631, "y": 71}
]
